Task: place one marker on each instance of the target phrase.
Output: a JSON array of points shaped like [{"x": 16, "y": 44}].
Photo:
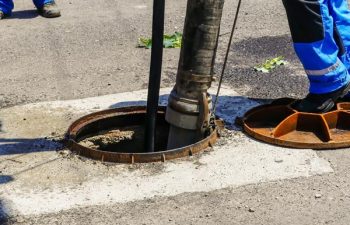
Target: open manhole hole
[{"x": 117, "y": 135}]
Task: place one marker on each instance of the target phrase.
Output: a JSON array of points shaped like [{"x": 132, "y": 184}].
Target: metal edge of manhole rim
[{"x": 130, "y": 158}]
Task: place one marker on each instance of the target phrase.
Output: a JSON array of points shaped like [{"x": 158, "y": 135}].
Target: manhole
[
  {"x": 279, "y": 124},
  {"x": 116, "y": 135}
]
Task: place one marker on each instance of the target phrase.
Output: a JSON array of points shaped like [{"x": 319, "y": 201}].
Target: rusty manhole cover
[
  {"x": 116, "y": 135},
  {"x": 279, "y": 124}
]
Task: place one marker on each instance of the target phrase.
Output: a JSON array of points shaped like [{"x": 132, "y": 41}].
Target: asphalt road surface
[{"x": 91, "y": 51}]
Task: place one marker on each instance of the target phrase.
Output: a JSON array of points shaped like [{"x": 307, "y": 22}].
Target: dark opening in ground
[
  {"x": 129, "y": 139},
  {"x": 117, "y": 135}
]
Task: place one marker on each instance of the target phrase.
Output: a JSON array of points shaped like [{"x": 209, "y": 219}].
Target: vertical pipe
[
  {"x": 155, "y": 73},
  {"x": 185, "y": 112}
]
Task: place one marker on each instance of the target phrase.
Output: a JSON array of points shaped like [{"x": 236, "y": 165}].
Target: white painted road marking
[{"x": 241, "y": 161}]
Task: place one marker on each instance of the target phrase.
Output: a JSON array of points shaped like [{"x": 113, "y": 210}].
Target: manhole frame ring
[{"x": 130, "y": 158}]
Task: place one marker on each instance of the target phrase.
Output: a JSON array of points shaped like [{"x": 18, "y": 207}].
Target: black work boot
[
  {"x": 50, "y": 10},
  {"x": 320, "y": 103}
]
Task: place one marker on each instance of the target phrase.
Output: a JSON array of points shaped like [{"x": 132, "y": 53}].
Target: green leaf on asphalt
[
  {"x": 169, "y": 41},
  {"x": 145, "y": 43},
  {"x": 270, "y": 64}
]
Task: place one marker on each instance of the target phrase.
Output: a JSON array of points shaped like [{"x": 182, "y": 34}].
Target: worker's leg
[
  {"x": 40, "y": 3},
  {"x": 6, "y": 6},
  {"x": 339, "y": 9},
  {"x": 312, "y": 28}
]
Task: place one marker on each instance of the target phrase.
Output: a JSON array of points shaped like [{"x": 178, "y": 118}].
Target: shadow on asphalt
[
  {"x": 22, "y": 146},
  {"x": 229, "y": 107},
  {"x": 163, "y": 101},
  {"x": 5, "y": 179},
  {"x": 24, "y": 14},
  {"x": 128, "y": 104},
  {"x": 3, "y": 215}
]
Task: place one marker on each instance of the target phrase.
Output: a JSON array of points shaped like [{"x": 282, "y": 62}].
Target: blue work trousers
[
  {"x": 321, "y": 35},
  {"x": 6, "y": 6}
]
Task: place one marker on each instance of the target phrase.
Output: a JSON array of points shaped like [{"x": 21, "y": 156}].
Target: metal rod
[
  {"x": 155, "y": 73},
  {"x": 226, "y": 56}
]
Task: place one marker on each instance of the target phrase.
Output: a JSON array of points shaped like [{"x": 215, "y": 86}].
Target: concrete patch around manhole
[
  {"x": 140, "y": 6},
  {"x": 37, "y": 179}
]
